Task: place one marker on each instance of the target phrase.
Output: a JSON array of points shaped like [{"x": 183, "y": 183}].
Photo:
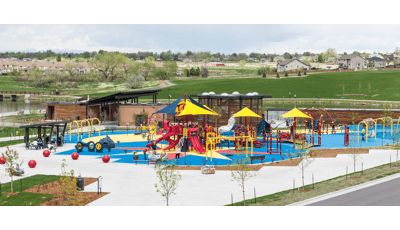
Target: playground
[{"x": 186, "y": 142}]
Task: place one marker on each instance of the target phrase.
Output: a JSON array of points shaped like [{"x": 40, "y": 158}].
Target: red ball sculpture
[
  {"x": 106, "y": 158},
  {"x": 2, "y": 160},
  {"x": 32, "y": 164},
  {"x": 75, "y": 156},
  {"x": 46, "y": 153}
]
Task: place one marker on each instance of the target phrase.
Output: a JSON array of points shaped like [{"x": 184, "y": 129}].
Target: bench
[{"x": 253, "y": 158}]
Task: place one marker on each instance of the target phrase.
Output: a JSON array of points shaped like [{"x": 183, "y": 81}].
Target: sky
[{"x": 223, "y": 38}]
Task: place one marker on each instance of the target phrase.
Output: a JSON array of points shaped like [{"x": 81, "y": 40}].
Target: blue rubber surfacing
[{"x": 328, "y": 141}]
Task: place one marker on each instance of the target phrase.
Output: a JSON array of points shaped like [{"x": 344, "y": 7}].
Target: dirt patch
[
  {"x": 256, "y": 167},
  {"x": 355, "y": 177},
  {"x": 332, "y": 153},
  {"x": 12, "y": 194},
  {"x": 304, "y": 191},
  {"x": 53, "y": 188}
]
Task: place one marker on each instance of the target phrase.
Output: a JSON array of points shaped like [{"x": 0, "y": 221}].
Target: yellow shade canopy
[
  {"x": 192, "y": 109},
  {"x": 294, "y": 113},
  {"x": 246, "y": 112}
]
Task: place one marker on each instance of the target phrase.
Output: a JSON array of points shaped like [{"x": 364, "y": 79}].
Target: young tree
[
  {"x": 353, "y": 143},
  {"x": 240, "y": 170},
  {"x": 204, "y": 71},
  {"x": 69, "y": 190},
  {"x": 11, "y": 157},
  {"x": 168, "y": 179},
  {"x": 305, "y": 161},
  {"x": 58, "y": 58},
  {"x": 353, "y": 117}
]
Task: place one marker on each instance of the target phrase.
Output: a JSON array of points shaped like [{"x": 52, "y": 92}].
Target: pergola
[
  {"x": 45, "y": 126},
  {"x": 231, "y": 103}
]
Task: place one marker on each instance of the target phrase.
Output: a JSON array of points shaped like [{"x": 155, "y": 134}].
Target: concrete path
[
  {"x": 168, "y": 84},
  {"x": 132, "y": 184}
]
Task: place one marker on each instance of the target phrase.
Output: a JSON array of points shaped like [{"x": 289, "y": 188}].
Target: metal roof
[
  {"x": 46, "y": 124},
  {"x": 126, "y": 95}
]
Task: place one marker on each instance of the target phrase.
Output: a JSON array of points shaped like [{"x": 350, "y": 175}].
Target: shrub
[
  {"x": 299, "y": 74},
  {"x": 286, "y": 74},
  {"x": 277, "y": 75},
  {"x": 134, "y": 82},
  {"x": 204, "y": 72},
  {"x": 264, "y": 75},
  {"x": 304, "y": 72}
]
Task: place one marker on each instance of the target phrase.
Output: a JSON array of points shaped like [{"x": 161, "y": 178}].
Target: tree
[
  {"x": 263, "y": 70},
  {"x": 168, "y": 179},
  {"x": 395, "y": 62},
  {"x": 68, "y": 188},
  {"x": 353, "y": 142},
  {"x": 70, "y": 68},
  {"x": 240, "y": 171},
  {"x": 277, "y": 75},
  {"x": 387, "y": 111},
  {"x": 306, "y": 54},
  {"x": 86, "y": 54},
  {"x": 305, "y": 161},
  {"x": 161, "y": 73},
  {"x": 134, "y": 82},
  {"x": 353, "y": 117},
  {"x": 11, "y": 158},
  {"x": 287, "y": 55},
  {"x": 204, "y": 71},
  {"x": 58, "y": 58},
  {"x": 330, "y": 54},
  {"x": 356, "y": 52},
  {"x": 242, "y": 63},
  {"x": 171, "y": 68},
  {"x": 321, "y": 57},
  {"x": 108, "y": 64}
]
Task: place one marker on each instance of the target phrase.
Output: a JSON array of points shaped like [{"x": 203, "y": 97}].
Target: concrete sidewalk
[{"x": 131, "y": 184}]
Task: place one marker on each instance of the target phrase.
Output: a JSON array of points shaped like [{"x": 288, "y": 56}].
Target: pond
[{"x": 19, "y": 105}]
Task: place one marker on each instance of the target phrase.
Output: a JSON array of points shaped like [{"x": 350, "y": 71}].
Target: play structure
[
  {"x": 373, "y": 133},
  {"x": 79, "y": 124},
  {"x": 104, "y": 143}
]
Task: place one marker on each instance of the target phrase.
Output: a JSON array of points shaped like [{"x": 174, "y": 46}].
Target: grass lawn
[
  {"x": 383, "y": 85},
  {"x": 25, "y": 198},
  {"x": 14, "y": 142},
  {"x": 288, "y": 196}
]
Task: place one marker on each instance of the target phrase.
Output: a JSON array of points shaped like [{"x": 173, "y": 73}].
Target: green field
[
  {"x": 25, "y": 198},
  {"x": 376, "y": 85},
  {"x": 327, "y": 85}
]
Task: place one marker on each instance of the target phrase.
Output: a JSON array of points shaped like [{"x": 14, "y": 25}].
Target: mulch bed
[
  {"x": 293, "y": 162},
  {"x": 53, "y": 188},
  {"x": 12, "y": 194},
  {"x": 332, "y": 153}
]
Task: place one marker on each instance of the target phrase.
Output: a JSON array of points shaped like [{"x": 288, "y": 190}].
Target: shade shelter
[
  {"x": 246, "y": 112},
  {"x": 295, "y": 113},
  {"x": 45, "y": 126}
]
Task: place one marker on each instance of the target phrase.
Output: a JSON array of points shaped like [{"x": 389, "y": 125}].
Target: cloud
[{"x": 215, "y": 38}]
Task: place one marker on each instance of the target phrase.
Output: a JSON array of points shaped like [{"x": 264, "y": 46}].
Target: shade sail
[
  {"x": 170, "y": 109},
  {"x": 192, "y": 109},
  {"x": 246, "y": 112},
  {"x": 294, "y": 113}
]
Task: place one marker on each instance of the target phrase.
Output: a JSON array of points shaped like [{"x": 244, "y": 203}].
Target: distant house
[
  {"x": 378, "y": 62},
  {"x": 279, "y": 59},
  {"x": 263, "y": 60},
  {"x": 292, "y": 64},
  {"x": 351, "y": 61}
]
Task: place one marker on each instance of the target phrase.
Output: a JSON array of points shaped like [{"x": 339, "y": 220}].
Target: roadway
[{"x": 383, "y": 194}]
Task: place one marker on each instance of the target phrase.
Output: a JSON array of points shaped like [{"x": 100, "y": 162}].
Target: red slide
[
  {"x": 197, "y": 144},
  {"x": 175, "y": 130}
]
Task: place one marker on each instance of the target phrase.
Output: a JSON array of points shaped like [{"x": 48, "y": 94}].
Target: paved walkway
[
  {"x": 25, "y": 112},
  {"x": 132, "y": 184}
]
